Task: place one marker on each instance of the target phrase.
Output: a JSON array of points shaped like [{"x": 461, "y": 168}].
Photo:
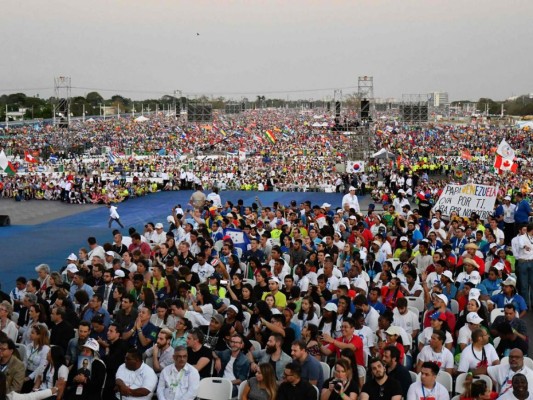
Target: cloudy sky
[{"x": 291, "y": 48}]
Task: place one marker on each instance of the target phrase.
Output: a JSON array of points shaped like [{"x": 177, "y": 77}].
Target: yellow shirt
[{"x": 281, "y": 300}]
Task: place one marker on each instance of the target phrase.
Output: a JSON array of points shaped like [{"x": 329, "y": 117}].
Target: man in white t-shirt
[
  {"x": 479, "y": 355},
  {"x": 202, "y": 268},
  {"x": 135, "y": 375},
  {"x": 428, "y": 387},
  {"x": 405, "y": 318},
  {"x": 437, "y": 353},
  {"x": 502, "y": 374}
]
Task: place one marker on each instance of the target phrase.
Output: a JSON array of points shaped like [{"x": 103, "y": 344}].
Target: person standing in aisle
[{"x": 113, "y": 216}]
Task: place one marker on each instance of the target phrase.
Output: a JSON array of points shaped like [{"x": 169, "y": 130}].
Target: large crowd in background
[
  {"x": 282, "y": 301},
  {"x": 233, "y": 152}
]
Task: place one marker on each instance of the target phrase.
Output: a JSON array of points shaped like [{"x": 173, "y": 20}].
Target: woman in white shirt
[
  {"x": 37, "y": 354},
  {"x": 6, "y": 325},
  {"x": 306, "y": 315},
  {"x": 37, "y": 316},
  {"x": 55, "y": 374}
]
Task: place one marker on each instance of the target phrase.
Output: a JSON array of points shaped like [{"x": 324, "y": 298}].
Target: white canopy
[
  {"x": 90, "y": 120},
  {"x": 141, "y": 119},
  {"x": 317, "y": 124},
  {"x": 383, "y": 153}
]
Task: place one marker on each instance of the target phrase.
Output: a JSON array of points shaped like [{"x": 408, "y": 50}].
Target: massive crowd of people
[
  {"x": 276, "y": 299},
  {"x": 233, "y": 152},
  {"x": 282, "y": 301}
]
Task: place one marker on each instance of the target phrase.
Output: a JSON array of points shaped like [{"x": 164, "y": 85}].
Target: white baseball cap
[
  {"x": 72, "y": 257},
  {"x": 473, "y": 318}
]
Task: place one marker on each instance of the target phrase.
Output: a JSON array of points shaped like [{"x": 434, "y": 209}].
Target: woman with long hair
[
  {"x": 402, "y": 246},
  {"x": 248, "y": 299},
  {"x": 391, "y": 293},
  {"x": 261, "y": 311},
  {"x": 37, "y": 351},
  {"x": 37, "y": 316},
  {"x": 342, "y": 385},
  {"x": 55, "y": 373},
  {"x": 307, "y": 314},
  {"x": 263, "y": 385},
  {"x": 477, "y": 390},
  {"x": 271, "y": 301},
  {"x": 169, "y": 291},
  {"x": 206, "y": 304},
  {"x": 310, "y": 336},
  {"x": 6, "y": 325},
  {"x": 163, "y": 317},
  {"x": 56, "y": 282},
  {"x": 147, "y": 298},
  {"x": 233, "y": 266},
  {"x": 349, "y": 355}
]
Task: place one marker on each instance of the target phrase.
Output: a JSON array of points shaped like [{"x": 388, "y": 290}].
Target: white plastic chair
[
  {"x": 226, "y": 301},
  {"x": 250, "y": 281},
  {"x": 239, "y": 252},
  {"x": 215, "y": 389},
  {"x": 218, "y": 245},
  {"x": 460, "y": 381},
  {"x": 23, "y": 352},
  {"x": 458, "y": 397},
  {"x": 256, "y": 345},
  {"x": 317, "y": 393},
  {"x": 241, "y": 389},
  {"x": 496, "y": 313},
  {"x": 416, "y": 302},
  {"x": 454, "y": 307},
  {"x": 361, "y": 371},
  {"x": 326, "y": 369},
  {"x": 413, "y": 376},
  {"x": 446, "y": 380},
  {"x": 496, "y": 341},
  {"x": 318, "y": 311},
  {"x": 246, "y": 322}
]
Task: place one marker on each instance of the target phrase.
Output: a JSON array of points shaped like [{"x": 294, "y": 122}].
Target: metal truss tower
[
  {"x": 62, "y": 98},
  {"x": 365, "y": 92}
]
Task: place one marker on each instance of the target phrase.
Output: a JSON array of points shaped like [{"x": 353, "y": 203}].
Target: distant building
[{"x": 439, "y": 99}]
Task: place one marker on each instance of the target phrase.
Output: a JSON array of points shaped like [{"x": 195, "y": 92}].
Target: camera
[
  {"x": 223, "y": 283},
  {"x": 337, "y": 385}
]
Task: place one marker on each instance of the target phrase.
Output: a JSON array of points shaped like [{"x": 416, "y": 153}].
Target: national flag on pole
[
  {"x": 112, "y": 157},
  {"x": 238, "y": 237},
  {"x": 3, "y": 161},
  {"x": 29, "y": 158},
  {"x": 505, "y": 150},
  {"x": 466, "y": 155},
  {"x": 10, "y": 169},
  {"x": 505, "y": 164},
  {"x": 355, "y": 166},
  {"x": 270, "y": 137}
]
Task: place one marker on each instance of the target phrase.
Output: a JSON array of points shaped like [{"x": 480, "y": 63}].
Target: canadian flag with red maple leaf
[
  {"x": 29, "y": 158},
  {"x": 505, "y": 164}
]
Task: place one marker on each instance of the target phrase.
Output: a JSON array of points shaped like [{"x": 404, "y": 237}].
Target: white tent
[
  {"x": 383, "y": 153},
  {"x": 317, "y": 124},
  {"x": 141, "y": 119},
  {"x": 90, "y": 120},
  {"x": 324, "y": 124}
]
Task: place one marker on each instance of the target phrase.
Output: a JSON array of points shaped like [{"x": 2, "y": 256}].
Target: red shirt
[
  {"x": 388, "y": 298},
  {"x": 357, "y": 342}
]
